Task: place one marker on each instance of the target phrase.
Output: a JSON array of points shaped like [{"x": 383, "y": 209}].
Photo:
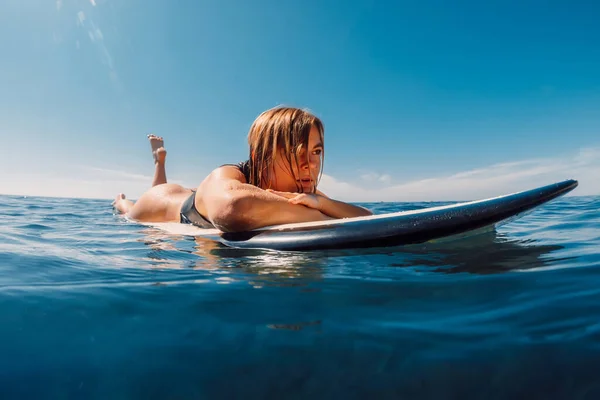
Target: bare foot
[
  {"x": 158, "y": 151},
  {"x": 119, "y": 197},
  {"x": 158, "y": 148},
  {"x": 121, "y": 204}
]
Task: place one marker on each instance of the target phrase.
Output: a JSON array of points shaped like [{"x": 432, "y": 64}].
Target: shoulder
[
  {"x": 242, "y": 168},
  {"x": 228, "y": 171},
  {"x": 226, "y": 174}
]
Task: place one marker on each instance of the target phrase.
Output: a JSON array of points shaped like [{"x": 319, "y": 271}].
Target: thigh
[{"x": 160, "y": 204}]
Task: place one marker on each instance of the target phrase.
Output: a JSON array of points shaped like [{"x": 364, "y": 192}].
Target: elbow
[{"x": 231, "y": 215}]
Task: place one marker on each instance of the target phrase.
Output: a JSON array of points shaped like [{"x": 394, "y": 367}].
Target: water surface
[{"x": 94, "y": 307}]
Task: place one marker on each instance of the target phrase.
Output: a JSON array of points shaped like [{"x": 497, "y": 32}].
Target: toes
[
  {"x": 119, "y": 197},
  {"x": 152, "y": 137}
]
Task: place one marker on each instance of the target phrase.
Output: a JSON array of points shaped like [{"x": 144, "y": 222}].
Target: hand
[{"x": 306, "y": 199}]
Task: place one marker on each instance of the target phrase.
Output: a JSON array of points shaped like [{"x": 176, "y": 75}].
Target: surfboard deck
[{"x": 384, "y": 230}]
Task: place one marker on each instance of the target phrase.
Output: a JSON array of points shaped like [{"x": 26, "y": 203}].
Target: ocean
[{"x": 95, "y": 307}]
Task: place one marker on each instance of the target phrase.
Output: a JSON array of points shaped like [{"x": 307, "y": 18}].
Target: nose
[
  {"x": 308, "y": 163},
  {"x": 304, "y": 163}
]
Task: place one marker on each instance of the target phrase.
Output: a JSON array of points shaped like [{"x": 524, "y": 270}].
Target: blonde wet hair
[{"x": 280, "y": 129}]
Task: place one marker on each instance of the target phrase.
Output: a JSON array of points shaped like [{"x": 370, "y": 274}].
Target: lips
[{"x": 305, "y": 181}]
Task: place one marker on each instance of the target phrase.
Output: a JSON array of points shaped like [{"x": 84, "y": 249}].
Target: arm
[
  {"x": 232, "y": 205},
  {"x": 339, "y": 209},
  {"x": 319, "y": 201}
]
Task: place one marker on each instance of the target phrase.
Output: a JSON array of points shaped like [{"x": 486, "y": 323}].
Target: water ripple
[{"x": 93, "y": 303}]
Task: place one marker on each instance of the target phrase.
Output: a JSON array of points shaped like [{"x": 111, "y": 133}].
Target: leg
[
  {"x": 121, "y": 204},
  {"x": 160, "y": 154},
  {"x": 162, "y": 203}
]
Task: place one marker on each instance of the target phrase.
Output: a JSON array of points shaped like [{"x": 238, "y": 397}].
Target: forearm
[
  {"x": 338, "y": 209},
  {"x": 251, "y": 208}
]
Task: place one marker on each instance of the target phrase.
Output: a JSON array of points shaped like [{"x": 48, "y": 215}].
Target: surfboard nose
[{"x": 562, "y": 188}]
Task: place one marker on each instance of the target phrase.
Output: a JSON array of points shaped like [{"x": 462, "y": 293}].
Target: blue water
[{"x": 94, "y": 307}]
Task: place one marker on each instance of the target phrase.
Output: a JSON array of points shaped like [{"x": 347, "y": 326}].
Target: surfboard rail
[{"x": 399, "y": 228}]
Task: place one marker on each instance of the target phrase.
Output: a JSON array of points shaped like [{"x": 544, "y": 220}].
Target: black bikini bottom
[{"x": 190, "y": 215}]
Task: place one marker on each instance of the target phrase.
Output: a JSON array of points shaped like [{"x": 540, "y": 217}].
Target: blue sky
[{"x": 428, "y": 100}]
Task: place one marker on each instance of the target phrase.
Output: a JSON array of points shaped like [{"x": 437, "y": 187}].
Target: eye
[{"x": 318, "y": 152}]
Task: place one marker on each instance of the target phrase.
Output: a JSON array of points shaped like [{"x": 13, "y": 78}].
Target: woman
[{"x": 277, "y": 185}]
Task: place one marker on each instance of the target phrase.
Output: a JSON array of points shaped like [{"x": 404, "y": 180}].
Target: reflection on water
[{"x": 485, "y": 253}]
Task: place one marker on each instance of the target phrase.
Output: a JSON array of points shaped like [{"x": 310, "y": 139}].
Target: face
[{"x": 307, "y": 170}]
